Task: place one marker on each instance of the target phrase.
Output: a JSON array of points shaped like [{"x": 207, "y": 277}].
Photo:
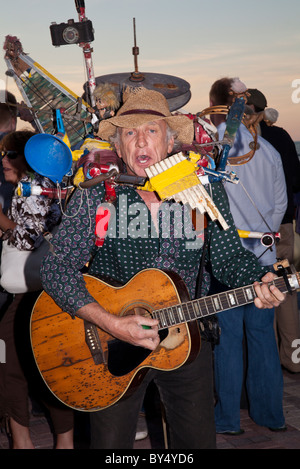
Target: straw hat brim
[{"x": 181, "y": 124}]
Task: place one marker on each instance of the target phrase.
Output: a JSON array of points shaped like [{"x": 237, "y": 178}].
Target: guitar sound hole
[
  {"x": 137, "y": 310},
  {"x": 124, "y": 357}
]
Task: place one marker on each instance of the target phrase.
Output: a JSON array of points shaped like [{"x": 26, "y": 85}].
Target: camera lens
[
  {"x": 267, "y": 240},
  {"x": 71, "y": 35}
]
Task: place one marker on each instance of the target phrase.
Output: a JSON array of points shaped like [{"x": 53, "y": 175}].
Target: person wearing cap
[
  {"x": 257, "y": 99},
  {"x": 287, "y": 326},
  {"x": 144, "y": 132},
  {"x": 257, "y": 203}
]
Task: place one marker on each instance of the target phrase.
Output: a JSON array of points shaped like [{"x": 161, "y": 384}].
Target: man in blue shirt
[
  {"x": 257, "y": 203},
  {"x": 287, "y": 326}
]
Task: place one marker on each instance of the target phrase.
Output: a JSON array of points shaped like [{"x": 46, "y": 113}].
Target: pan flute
[{"x": 176, "y": 178}]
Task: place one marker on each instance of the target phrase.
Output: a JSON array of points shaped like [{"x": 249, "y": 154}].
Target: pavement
[{"x": 255, "y": 437}]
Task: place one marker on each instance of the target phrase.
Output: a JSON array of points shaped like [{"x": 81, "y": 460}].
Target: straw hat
[{"x": 141, "y": 105}]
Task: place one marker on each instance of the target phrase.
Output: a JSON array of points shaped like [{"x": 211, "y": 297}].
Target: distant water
[{"x": 298, "y": 148}]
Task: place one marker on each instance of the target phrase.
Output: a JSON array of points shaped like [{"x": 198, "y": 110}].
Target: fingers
[
  {"x": 147, "y": 334},
  {"x": 268, "y": 296},
  {"x": 150, "y": 343},
  {"x": 146, "y": 322},
  {"x": 138, "y": 330}
]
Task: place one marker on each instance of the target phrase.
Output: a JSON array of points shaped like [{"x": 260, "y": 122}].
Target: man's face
[{"x": 144, "y": 146}]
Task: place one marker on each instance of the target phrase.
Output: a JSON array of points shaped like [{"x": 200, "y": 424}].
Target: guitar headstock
[{"x": 289, "y": 273}]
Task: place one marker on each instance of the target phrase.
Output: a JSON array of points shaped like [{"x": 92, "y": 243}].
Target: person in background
[
  {"x": 257, "y": 203},
  {"x": 287, "y": 327},
  {"x": 10, "y": 110},
  {"x": 8, "y": 123},
  {"x": 144, "y": 132},
  {"x": 27, "y": 218}
]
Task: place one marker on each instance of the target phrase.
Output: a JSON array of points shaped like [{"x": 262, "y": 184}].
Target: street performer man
[{"x": 144, "y": 132}]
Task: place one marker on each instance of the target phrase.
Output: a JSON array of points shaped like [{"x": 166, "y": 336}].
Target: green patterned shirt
[{"x": 132, "y": 244}]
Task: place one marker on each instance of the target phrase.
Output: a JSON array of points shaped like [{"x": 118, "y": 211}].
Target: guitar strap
[
  {"x": 202, "y": 264},
  {"x": 209, "y": 327}
]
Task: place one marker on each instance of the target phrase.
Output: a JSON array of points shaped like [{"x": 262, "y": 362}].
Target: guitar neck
[{"x": 209, "y": 305}]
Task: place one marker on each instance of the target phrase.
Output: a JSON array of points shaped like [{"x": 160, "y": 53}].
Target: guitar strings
[{"x": 175, "y": 317}]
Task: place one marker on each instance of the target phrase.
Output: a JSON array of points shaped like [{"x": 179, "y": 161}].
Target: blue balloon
[{"x": 49, "y": 156}]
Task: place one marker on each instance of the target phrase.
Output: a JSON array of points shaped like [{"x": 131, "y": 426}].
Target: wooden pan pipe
[{"x": 175, "y": 178}]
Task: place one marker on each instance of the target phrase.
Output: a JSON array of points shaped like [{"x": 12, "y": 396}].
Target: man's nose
[{"x": 141, "y": 139}]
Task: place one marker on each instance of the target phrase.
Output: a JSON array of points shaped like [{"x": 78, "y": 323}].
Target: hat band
[{"x": 142, "y": 111}]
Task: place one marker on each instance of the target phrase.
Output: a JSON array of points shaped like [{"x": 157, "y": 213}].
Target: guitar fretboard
[{"x": 208, "y": 305}]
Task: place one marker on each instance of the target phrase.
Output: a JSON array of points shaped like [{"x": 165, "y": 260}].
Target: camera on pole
[{"x": 71, "y": 32}]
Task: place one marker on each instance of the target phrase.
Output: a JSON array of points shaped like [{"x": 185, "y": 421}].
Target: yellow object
[
  {"x": 66, "y": 140},
  {"x": 90, "y": 144},
  {"x": 178, "y": 186},
  {"x": 250, "y": 234},
  {"x": 76, "y": 154},
  {"x": 179, "y": 177},
  {"x": 243, "y": 233},
  {"x": 176, "y": 178},
  {"x": 194, "y": 157},
  {"x": 79, "y": 177},
  {"x": 64, "y": 137}
]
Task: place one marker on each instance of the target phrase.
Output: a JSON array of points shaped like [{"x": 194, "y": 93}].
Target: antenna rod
[
  {"x": 136, "y": 75},
  {"x": 135, "y": 49},
  {"x": 87, "y": 52},
  {"x": 79, "y": 4}
]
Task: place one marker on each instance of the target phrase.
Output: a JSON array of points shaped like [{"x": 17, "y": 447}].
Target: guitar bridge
[{"x": 94, "y": 344}]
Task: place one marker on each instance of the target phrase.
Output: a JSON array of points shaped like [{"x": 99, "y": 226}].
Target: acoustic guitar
[{"x": 89, "y": 370}]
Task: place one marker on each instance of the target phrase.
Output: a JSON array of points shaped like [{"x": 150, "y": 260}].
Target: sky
[{"x": 196, "y": 40}]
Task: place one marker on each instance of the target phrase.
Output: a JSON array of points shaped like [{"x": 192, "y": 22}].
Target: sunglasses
[{"x": 11, "y": 154}]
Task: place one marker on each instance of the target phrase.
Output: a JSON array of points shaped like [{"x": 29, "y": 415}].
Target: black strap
[
  {"x": 209, "y": 327},
  {"x": 201, "y": 268}
]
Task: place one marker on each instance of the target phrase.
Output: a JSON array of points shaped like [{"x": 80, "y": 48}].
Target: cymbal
[{"x": 175, "y": 89}]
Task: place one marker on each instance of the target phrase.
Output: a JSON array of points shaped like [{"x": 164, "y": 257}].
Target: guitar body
[{"x": 89, "y": 370}]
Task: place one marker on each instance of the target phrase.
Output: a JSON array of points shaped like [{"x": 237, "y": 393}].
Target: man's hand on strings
[{"x": 268, "y": 296}]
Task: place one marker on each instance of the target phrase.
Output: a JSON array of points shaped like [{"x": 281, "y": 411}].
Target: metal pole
[{"x": 87, "y": 52}]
